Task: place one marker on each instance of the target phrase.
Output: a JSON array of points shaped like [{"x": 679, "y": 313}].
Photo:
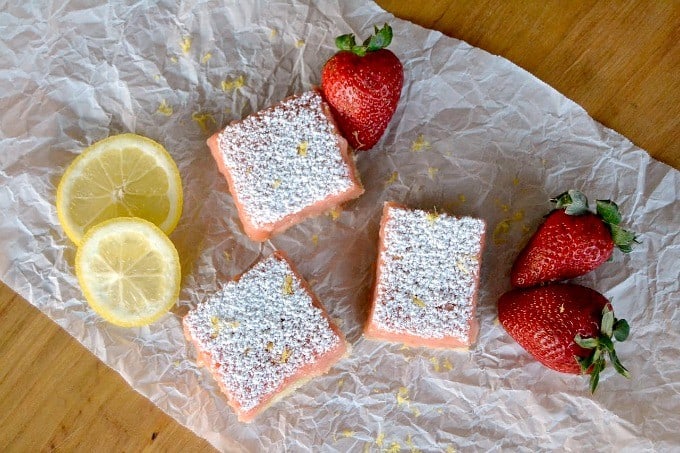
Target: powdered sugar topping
[
  {"x": 284, "y": 159},
  {"x": 429, "y": 273},
  {"x": 260, "y": 331}
]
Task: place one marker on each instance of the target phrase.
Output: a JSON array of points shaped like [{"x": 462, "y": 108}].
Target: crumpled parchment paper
[{"x": 473, "y": 135}]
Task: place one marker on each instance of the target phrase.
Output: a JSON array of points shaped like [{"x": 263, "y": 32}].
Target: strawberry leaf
[
  {"x": 609, "y": 211},
  {"x": 606, "y": 343},
  {"x": 584, "y": 362},
  {"x": 603, "y": 345},
  {"x": 597, "y": 354},
  {"x": 598, "y": 366},
  {"x": 623, "y": 239},
  {"x": 621, "y": 330},
  {"x": 586, "y": 343},
  {"x": 345, "y": 42},
  {"x": 573, "y": 202},
  {"x": 561, "y": 200},
  {"x": 617, "y": 364},
  {"x": 381, "y": 39},
  {"x": 359, "y": 50},
  {"x": 607, "y": 325}
]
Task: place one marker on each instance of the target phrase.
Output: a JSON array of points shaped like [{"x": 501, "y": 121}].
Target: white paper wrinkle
[{"x": 473, "y": 135}]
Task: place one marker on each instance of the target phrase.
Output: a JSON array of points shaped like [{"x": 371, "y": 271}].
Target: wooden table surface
[{"x": 619, "y": 60}]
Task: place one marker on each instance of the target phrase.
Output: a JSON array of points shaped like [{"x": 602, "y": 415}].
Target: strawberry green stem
[{"x": 381, "y": 39}]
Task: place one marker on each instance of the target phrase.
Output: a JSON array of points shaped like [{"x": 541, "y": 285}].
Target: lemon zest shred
[
  {"x": 288, "y": 285},
  {"x": 420, "y": 144},
  {"x": 204, "y": 120},
  {"x": 419, "y": 302},
  {"x": 302, "y": 148},
  {"x": 233, "y": 84},
  {"x": 393, "y": 448},
  {"x": 501, "y": 230},
  {"x": 402, "y": 397},
  {"x": 380, "y": 438},
  {"x": 432, "y": 217},
  {"x": 185, "y": 45},
  {"x": 335, "y": 213},
  {"x": 392, "y": 179},
  {"x": 164, "y": 108}
]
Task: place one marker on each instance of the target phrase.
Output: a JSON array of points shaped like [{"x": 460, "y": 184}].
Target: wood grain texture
[
  {"x": 56, "y": 396},
  {"x": 619, "y": 60}
]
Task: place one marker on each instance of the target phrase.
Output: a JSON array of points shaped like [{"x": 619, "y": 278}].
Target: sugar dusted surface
[
  {"x": 429, "y": 272},
  {"x": 284, "y": 159},
  {"x": 260, "y": 331}
]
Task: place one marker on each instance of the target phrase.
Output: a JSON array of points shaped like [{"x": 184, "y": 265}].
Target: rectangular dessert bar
[
  {"x": 285, "y": 164},
  {"x": 427, "y": 277},
  {"x": 263, "y": 335}
]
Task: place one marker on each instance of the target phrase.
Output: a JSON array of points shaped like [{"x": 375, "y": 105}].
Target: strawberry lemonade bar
[
  {"x": 285, "y": 164},
  {"x": 427, "y": 278},
  {"x": 263, "y": 335}
]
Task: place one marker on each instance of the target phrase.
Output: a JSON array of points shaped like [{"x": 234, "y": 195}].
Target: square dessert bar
[
  {"x": 263, "y": 335},
  {"x": 285, "y": 164},
  {"x": 427, "y": 278}
]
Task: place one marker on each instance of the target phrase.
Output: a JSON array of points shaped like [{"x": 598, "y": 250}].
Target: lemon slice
[
  {"x": 124, "y": 175},
  {"x": 129, "y": 271}
]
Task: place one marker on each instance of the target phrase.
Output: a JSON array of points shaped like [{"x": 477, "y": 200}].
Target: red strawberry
[
  {"x": 362, "y": 84},
  {"x": 572, "y": 241},
  {"x": 566, "y": 327}
]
